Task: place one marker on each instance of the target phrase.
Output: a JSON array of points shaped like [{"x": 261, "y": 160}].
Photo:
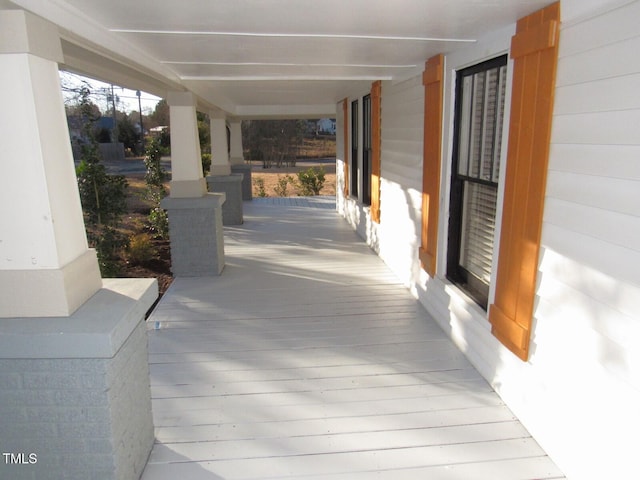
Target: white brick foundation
[
  {"x": 195, "y": 230},
  {"x": 80, "y": 415}
]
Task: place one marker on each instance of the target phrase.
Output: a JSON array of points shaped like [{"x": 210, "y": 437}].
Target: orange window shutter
[
  {"x": 376, "y": 119},
  {"x": 534, "y": 50},
  {"x": 432, "y": 79},
  {"x": 345, "y": 133}
]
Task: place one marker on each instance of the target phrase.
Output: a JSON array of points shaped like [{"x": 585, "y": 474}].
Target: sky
[{"x": 126, "y": 100}]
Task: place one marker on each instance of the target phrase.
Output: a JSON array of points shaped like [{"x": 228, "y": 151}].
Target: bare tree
[{"x": 275, "y": 142}]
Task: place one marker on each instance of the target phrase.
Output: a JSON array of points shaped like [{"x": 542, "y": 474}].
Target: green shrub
[
  {"x": 103, "y": 196},
  {"x": 259, "y": 184},
  {"x": 159, "y": 222},
  {"x": 206, "y": 163},
  {"x": 141, "y": 249},
  {"x": 109, "y": 243},
  {"x": 155, "y": 192},
  {"x": 281, "y": 189},
  {"x": 310, "y": 181}
]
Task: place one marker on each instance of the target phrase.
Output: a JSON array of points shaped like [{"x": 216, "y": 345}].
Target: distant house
[
  {"x": 158, "y": 130},
  {"x": 326, "y": 126},
  {"x": 105, "y": 132},
  {"x": 75, "y": 123},
  {"x": 323, "y": 126}
]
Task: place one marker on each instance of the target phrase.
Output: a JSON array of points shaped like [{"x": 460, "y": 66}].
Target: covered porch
[{"x": 307, "y": 358}]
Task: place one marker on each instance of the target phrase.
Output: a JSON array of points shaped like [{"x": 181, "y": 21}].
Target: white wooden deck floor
[{"x": 307, "y": 359}]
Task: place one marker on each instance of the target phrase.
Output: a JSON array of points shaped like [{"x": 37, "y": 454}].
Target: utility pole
[
  {"x": 115, "y": 121},
  {"x": 141, "y": 127}
]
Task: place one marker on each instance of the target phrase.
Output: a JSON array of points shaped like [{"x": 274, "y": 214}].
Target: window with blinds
[
  {"x": 355, "y": 135},
  {"x": 366, "y": 150},
  {"x": 480, "y": 93}
]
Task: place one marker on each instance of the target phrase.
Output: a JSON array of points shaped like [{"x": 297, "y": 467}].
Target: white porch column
[
  {"x": 219, "y": 148},
  {"x": 187, "y": 180},
  {"x": 238, "y": 165},
  {"x": 46, "y": 267},
  {"x": 221, "y": 179},
  {"x": 237, "y": 152},
  {"x": 195, "y": 216},
  {"x": 73, "y": 353}
]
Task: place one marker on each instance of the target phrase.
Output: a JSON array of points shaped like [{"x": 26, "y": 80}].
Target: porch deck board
[{"x": 308, "y": 359}]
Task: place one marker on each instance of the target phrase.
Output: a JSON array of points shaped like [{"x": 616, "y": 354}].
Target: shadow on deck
[{"x": 308, "y": 359}]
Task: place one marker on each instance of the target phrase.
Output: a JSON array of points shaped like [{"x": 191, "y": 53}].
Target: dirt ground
[
  {"x": 134, "y": 222},
  {"x": 272, "y": 175}
]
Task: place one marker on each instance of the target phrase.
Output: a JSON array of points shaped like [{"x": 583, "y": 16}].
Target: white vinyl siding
[
  {"x": 401, "y": 169},
  {"x": 402, "y": 131},
  {"x": 583, "y": 374},
  {"x": 592, "y": 214},
  {"x": 587, "y": 321}
]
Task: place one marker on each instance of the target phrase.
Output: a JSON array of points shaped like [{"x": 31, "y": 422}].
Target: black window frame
[
  {"x": 367, "y": 153},
  {"x": 456, "y": 273},
  {"x": 355, "y": 142}
]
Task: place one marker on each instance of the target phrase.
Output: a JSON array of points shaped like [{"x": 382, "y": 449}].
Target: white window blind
[
  {"x": 478, "y": 228},
  {"x": 480, "y": 114}
]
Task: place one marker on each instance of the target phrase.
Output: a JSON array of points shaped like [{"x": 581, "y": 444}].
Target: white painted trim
[
  {"x": 22, "y": 32},
  {"x": 293, "y": 78},
  {"x": 74, "y": 23},
  {"x": 495, "y": 45},
  {"x": 49, "y": 292},
  {"x": 96, "y": 330},
  {"x": 284, "y": 111}
]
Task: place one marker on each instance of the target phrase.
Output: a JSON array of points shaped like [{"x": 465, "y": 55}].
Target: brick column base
[
  {"x": 231, "y": 186},
  {"x": 197, "y": 237},
  {"x": 75, "y": 401},
  {"x": 247, "y": 185}
]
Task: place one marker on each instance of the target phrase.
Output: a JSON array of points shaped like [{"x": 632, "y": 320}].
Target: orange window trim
[
  {"x": 376, "y": 119},
  {"x": 432, "y": 79},
  {"x": 534, "y": 50}
]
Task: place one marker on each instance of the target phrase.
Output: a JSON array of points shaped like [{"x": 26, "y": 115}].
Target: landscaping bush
[
  {"x": 103, "y": 196},
  {"x": 108, "y": 243},
  {"x": 310, "y": 181},
  {"x": 206, "y": 163},
  {"x": 141, "y": 249},
  {"x": 155, "y": 192},
  {"x": 259, "y": 184},
  {"x": 281, "y": 189}
]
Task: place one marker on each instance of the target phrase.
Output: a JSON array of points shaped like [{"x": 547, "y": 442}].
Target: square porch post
[
  {"x": 236, "y": 154},
  {"x": 75, "y": 400},
  {"x": 195, "y": 216},
  {"x": 222, "y": 180}
]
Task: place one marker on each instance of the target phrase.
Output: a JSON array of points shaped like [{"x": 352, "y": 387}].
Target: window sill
[{"x": 461, "y": 297}]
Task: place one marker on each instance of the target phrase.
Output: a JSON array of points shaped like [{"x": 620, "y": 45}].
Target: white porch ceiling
[{"x": 256, "y": 58}]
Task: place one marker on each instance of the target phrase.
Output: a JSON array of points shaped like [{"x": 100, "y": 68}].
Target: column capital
[
  {"x": 219, "y": 147},
  {"x": 236, "y": 152},
  {"x": 186, "y": 159},
  {"x": 23, "y": 32},
  {"x": 182, "y": 99},
  {"x": 217, "y": 114}
]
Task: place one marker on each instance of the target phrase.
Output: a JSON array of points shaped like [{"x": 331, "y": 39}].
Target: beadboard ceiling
[{"x": 257, "y": 58}]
